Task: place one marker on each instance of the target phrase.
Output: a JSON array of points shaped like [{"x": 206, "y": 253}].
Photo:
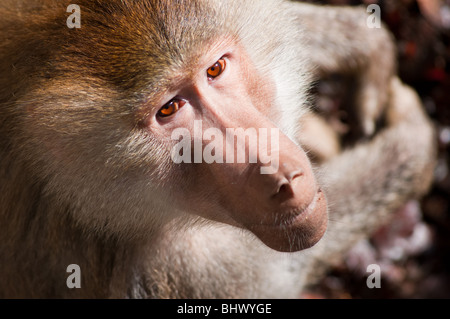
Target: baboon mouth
[
  {"x": 298, "y": 215},
  {"x": 302, "y": 229},
  {"x": 289, "y": 217},
  {"x": 310, "y": 211}
]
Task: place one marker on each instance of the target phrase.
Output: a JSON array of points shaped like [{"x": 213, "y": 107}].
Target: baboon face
[{"x": 116, "y": 104}]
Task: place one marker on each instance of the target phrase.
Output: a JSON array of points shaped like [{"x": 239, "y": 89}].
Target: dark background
[{"x": 414, "y": 250}]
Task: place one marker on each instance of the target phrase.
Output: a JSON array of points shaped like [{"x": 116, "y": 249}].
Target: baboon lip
[
  {"x": 300, "y": 231},
  {"x": 303, "y": 214},
  {"x": 289, "y": 217}
]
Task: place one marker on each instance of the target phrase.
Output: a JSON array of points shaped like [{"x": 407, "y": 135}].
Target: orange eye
[
  {"x": 171, "y": 108},
  {"x": 217, "y": 68}
]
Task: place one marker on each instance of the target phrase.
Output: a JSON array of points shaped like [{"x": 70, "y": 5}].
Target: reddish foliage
[{"x": 414, "y": 251}]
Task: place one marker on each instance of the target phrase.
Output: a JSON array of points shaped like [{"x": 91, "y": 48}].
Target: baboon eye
[
  {"x": 171, "y": 108},
  {"x": 217, "y": 69}
]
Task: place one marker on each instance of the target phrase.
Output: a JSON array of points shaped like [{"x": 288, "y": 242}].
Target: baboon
[{"x": 87, "y": 169}]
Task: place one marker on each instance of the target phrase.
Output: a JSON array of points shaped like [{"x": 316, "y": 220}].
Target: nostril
[
  {"x": 294, "y": 174},
  {"x": 285, "y": 188},
  {"x": 284, "y": 185}
]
